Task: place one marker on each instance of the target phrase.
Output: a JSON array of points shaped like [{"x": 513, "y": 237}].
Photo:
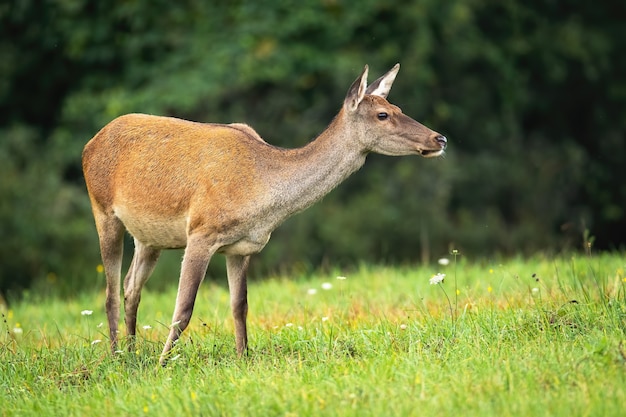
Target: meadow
[{"x": 522, "y": 337}]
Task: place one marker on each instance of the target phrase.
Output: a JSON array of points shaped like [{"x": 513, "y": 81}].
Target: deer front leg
[
  {"x": 237, "y": 267},
  {"x": 195, "y": 263}
]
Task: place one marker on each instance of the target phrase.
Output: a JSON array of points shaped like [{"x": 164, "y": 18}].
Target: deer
[{"x": 221, "y": 189}]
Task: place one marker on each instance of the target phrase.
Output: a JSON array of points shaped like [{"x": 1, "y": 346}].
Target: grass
[{"x": 522, "y": 337}]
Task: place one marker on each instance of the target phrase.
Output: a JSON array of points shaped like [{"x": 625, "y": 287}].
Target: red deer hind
[{"x": 215, "y": 188}]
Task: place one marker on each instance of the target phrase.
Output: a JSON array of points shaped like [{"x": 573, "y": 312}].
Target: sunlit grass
[{"x": 521, "y": 337}]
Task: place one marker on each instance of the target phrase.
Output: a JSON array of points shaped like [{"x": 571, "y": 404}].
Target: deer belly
[{"x": 154, "y": 231}]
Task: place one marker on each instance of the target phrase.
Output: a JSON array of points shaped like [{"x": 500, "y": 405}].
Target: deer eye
[{"x": 383, "y": 116}]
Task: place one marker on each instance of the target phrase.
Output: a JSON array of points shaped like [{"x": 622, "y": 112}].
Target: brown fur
[{"x": 214, "y": 188}]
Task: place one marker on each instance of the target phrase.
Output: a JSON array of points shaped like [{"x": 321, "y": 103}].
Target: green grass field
[{"x": 537, "y": 337}]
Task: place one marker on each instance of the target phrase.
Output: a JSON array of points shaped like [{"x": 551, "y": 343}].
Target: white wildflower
[
  {"x": 311, "y": 291},
  {"x": 341, "y": 278},
  {"x": 147, "y": 327},
  {"x": 95, "y": 342},
  {"x": 327, "y": 286},
  {"x": 324, "y": 318},
  {"x": 18, "y": 330},
  {"x": 403, "y": 327},
  {"x": 437, "y": 279},
  {"x": 289, "y": 325},
  {"x": 86, "y": 313},
  {"x": 443, "y": 261}
]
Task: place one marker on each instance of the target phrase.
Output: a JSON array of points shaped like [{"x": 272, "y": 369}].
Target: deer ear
[
  {"x": 381, "y": 86},
  {"x": 356, "y": 91}
]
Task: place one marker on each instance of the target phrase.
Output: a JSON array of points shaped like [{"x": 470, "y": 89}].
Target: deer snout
[
  {"x": 441, "y": 140},
  {"x": 438, "y": 144}
]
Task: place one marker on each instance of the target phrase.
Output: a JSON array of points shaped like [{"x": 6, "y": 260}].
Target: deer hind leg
[
  {"x": 195, "y": 262},
  {"x": 111, "y": 235},
  {"x": 142, "y": 265},
  {"x": 237, "y": 267}
]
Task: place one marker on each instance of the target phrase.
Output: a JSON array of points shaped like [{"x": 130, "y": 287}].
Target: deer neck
[{"x": 311, "y": 172}]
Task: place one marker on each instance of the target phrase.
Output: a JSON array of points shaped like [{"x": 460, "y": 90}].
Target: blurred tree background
[{"x": 531, "y": 95}]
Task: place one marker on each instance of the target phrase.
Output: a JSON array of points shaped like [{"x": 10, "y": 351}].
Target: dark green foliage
[{"x": 531, "y": 96}]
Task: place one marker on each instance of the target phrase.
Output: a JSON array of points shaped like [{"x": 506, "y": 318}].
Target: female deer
[{"x": 213, "y": 188}]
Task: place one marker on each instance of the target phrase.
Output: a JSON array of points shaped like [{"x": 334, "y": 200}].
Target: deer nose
[{"x": 441, "y": 140}]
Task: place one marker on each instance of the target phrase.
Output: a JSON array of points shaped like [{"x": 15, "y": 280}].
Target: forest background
[{"x": 531, "y": 95}]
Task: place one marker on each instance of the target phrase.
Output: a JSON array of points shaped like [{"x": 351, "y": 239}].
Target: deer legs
[
  {"x": 141, "y": 267},
  {"x": 195, "y": 263},
  {"x": 237, "y": 267},
  {"x": 111, "y": 235}
]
